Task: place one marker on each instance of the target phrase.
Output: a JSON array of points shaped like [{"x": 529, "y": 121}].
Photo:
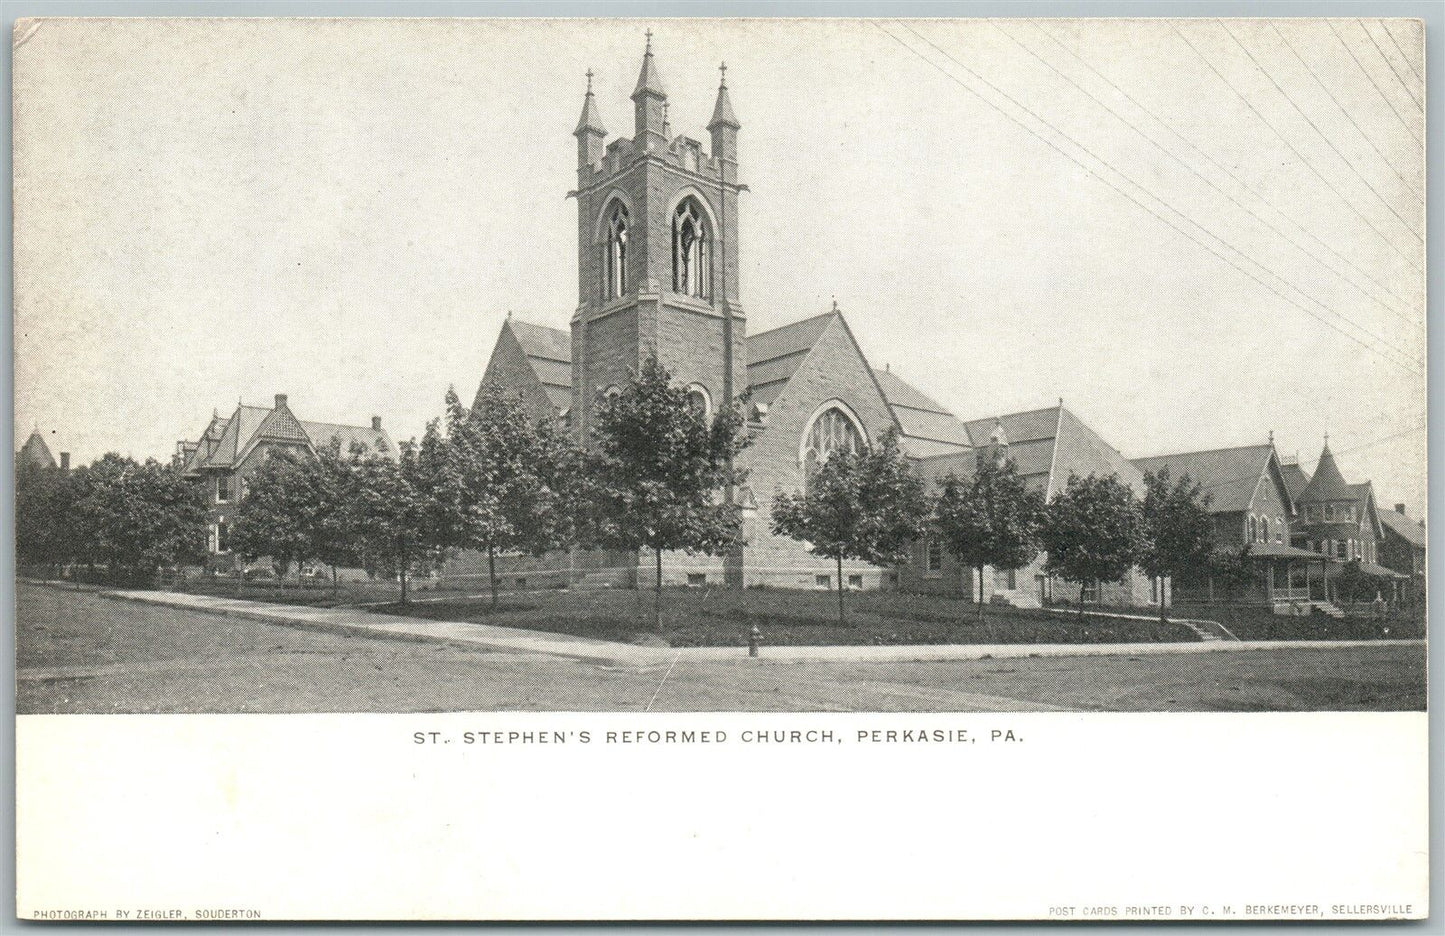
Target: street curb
[{"x": 485, "y": 637}]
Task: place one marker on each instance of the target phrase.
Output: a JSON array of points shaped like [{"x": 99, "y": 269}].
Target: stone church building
[{"x": 658, "y": 247}]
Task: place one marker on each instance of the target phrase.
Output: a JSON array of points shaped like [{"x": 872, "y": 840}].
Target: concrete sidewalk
[{"x": 487, "y": 637}]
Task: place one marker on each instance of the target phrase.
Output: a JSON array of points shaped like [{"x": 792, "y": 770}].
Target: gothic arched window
[
  {"x": 830, "y": 431},
  {"x": 617, "y": 251},
  {"x": 691, "y": 251}
]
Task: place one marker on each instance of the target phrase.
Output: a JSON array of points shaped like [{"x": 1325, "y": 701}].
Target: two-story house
[
  {"x": 230, "y": 449},
  {"x": 1253, "y": 511}
]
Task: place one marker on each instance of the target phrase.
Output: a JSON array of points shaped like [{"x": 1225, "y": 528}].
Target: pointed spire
[
  {"x": 648, "y": 80},
  {"x": 591, "y": 121},
  {"x": 1327, "y": 482},
  {"x": 722, "y": 111}
]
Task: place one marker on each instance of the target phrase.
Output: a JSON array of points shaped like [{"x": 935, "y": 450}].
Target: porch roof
[{"x": 1281, "y": 551}]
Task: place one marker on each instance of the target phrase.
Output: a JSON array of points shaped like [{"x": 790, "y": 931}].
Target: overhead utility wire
[
  {"x": 1328, "y": 142},
  {"x": 1385, "y": 27},
  {"x": 1298, "y": 155},
  {"x": 1393, "y": 70},
  {"x": 1374, "y": 84},
  {"x": 1221, "y": 191},
  {"x": 1410, "y": 366},
  {"x": 1242, "y": 184},
  {"x": 1325, "y": 88},
  {"x": 1344, "y": 451}
]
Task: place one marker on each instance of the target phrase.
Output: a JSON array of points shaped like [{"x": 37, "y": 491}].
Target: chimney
[
  {"x": 280, "y": 401},
  {"x": 65, "y": 461},
  {"x": 1399, "y": 508},
  {"x": 376, "y": 424}
]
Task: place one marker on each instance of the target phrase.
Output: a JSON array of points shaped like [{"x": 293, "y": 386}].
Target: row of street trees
[
  {"x": 869, "y": 506},
  {"x": 118, "y": 515},
  {"x": 489, "y": 479},
  {"x": 659, "y": 475}
]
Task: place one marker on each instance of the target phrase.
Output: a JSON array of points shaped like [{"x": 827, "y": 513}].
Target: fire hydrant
[{"x": 755, "y": 637}]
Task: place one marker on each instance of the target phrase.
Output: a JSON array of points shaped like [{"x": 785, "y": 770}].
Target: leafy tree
[
  {"x": 45, "y": 516},
  {"x": 1093, "y": 531},
  {"x": 138, "y": 517},
  {"x": 866, "y": 506},
  {"x": 503, "y": 483},
  {"x": 991, "y": 519},
  {"x": 1178, "y": 531},
  {"x": 391, "y": 509},
  {"x": 660, "y": 476},
  {"x": 279, "y": 513}
]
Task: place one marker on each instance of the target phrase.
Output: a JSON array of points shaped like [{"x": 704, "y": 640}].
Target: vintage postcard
[{"x": 720, "y": 469}]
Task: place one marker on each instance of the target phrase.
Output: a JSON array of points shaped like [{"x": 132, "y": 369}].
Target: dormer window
[
  {"x": 691, "y": 251},
  {"x": 617, "y": 251}
]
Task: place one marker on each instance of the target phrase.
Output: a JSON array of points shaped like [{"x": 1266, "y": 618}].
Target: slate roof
[
  {"x": 36, "y": 451},
  {"x": 1229, "y": 476},
  {"x": 549, "y": 351},
  {"x": 1047, "y": 445},
  {"x": 226, "y": 443},
  {"x": 1296, "y": 479},
  {"x": 775, "y": 355},
  {"x": 1327, "y": 484},
  {"x": 1409, "y": 528},
  {"x": 927, "y": 426}
]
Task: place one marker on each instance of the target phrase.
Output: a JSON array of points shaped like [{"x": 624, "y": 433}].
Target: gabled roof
[
  {"x": 774, "y": 356},
  {"x": 371, "y": 440},
  {"x": 1364, "y": 495},
  {"x": 226, "y": 443},
  {"x": 1228, "y": 476},
  {"x": 1296, "y": 479},
  {"x": 1046, "y": 445},
  {"x": 1413, "y": 531},
  {"x": 549, "y": 352},
  {"x": 36, "y": 451},
  {"x": 921, "y": 418}
]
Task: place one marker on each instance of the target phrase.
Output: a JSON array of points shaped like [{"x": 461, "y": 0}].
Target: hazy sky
[{"x": 344, "y": 211}]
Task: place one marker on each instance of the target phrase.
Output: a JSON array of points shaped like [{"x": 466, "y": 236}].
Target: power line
[
  {"x": 1241, "y": 182},
  {"x": 1399, "y": 363},
  {"x": 1344, "y": 451},
  {"x": 1393, "y": 70},
  {"x": 1325, "y": 88},
  {"x": 1217, "y": 188},
  {"x": 1374, "y": 84},
  {"x": 1385, "y": 26},
  {"x": 1298, "y": 155},
  {"x": 1330, "y": 143}
]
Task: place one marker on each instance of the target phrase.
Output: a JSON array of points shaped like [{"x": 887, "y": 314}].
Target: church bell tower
[{"x": 657, "y": 257}]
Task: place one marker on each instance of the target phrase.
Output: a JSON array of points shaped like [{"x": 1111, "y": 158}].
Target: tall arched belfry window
[
  {"x": 691, "y": 251},
  {"x": 617, "y": 251},
  {"x": 831, "y": 430}
]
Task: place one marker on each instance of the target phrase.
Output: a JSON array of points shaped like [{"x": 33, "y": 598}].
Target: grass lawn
[
  {"x": 1260, "y": 624},
  {"x": 695, "y": 617}
]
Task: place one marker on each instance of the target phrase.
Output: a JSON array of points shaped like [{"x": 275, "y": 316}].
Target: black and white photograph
[{"x": 1005, "y": 368}]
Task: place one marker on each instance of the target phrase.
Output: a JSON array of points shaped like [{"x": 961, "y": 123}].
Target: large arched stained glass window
[
  {"x": 691, "y": 251},
  {"x": 830, "y": 431},
  {"x": 617, "y": 250}
]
